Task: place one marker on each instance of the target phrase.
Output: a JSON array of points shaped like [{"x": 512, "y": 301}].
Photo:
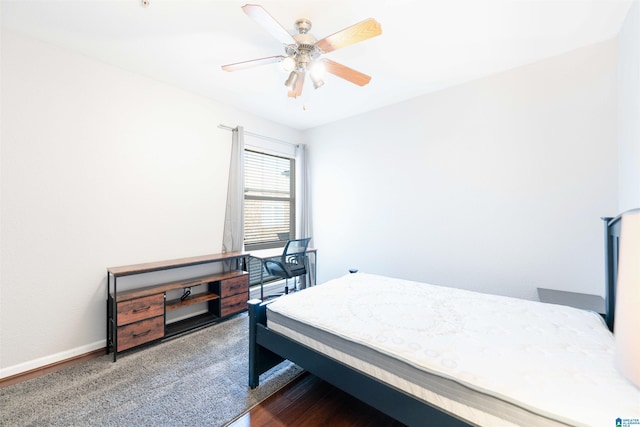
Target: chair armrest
[{"x": 271, "y": 261}]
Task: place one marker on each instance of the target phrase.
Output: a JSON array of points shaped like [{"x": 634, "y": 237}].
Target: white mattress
[{"x": 490, "y": 360}]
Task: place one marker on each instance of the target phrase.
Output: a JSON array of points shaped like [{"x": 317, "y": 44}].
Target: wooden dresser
[{"x": 139, "y": 316}]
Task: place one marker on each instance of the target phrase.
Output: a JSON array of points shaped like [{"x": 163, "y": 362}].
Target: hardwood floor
[{"x": 308, "y": 401}]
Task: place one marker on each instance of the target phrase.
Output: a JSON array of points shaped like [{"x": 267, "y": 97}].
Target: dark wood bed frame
[
  {"x": 611, "y": 248},
  {"x": 268, "y": 348}
]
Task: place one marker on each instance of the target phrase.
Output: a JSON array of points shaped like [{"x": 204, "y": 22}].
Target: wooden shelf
[
  {"x": 189, "y": 324},
  {"x": 178, "y": 284},
  {"x": 138, "y": 316},
  {"x": 126, "y": 270},
  {"x": 192, "y": 299}
]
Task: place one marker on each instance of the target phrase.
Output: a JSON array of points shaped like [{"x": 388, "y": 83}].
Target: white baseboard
[{"x": 51, "y": 359}]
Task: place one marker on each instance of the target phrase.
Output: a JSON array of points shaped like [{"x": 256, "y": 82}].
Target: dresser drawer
[
  {"x": 234, "y": 304},
  {"x": 234, "y": 286},
  {"x": 140, "y": 308},
  {"x": 140, "y": 332}
]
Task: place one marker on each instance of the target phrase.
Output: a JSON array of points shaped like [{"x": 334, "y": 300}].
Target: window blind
[{"x": 269, "y": 200}]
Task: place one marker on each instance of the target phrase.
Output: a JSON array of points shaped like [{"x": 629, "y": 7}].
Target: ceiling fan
[{"x": 303, "y": 51}]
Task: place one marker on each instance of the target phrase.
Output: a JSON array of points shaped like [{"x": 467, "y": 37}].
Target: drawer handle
[
  {"x": 138, "y": 310},
  {"x": 141, "y": 334}
]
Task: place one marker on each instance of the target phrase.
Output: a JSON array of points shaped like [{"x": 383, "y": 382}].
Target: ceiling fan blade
[
  {"x": 262, "y": 17},
  {"x": 344, "y": 72},
  {"x": 297, "y": 90},
  {"x": 252, "y": 63},
  {"x": 356, "y": 33}
]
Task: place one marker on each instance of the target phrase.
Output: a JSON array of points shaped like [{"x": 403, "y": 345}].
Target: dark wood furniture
[
  {"x": 138, "y": 315},
  {"x": 611, "y": 251},
  {"x": 268, "y": 348},
  {"x": 589, "y": 302}
]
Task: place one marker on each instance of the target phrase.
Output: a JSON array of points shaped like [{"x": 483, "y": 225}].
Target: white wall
[
  {"x": 501, "y": 191},
  {"x": 496, "y": 185},
  {"x": 99, "y": 167},
  {"x": 629, "y": 109}
]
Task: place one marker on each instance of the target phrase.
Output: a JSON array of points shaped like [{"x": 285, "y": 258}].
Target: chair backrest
[
  {"x": 294, "y": 256},
  {"x": 293, "y": 261},
  {"x": 297, "y": 247}
]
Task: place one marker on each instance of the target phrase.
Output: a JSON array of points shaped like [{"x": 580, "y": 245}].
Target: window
[{"x": 269, "y": 200}]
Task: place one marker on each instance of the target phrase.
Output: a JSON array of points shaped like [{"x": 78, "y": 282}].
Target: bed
[{"x": 430, "y": 355}]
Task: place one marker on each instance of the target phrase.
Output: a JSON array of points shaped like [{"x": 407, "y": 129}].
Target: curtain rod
[{"x": 255, "y": 135}]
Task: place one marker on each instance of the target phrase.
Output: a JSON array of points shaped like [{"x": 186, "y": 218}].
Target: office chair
[{"x": 292, "y": 262}]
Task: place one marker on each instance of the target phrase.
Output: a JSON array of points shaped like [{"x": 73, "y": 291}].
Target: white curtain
[
  {"x": 233, "y": 235},
  {"x": 303, "y": 207}
]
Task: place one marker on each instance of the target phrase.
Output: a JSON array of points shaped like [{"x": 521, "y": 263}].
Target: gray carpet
[{"x": 198, "y": 379}]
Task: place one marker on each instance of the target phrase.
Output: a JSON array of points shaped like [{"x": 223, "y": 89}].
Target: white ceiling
[{"x": 425, "y": 45}]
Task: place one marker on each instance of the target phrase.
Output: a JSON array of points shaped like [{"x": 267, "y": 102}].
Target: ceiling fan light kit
[
  {"x": 291, "y": 80},
  {"x": 288, "y": 64},
  {"x": 303, "y": 51},
  {"x": 316, "y": 81}
]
